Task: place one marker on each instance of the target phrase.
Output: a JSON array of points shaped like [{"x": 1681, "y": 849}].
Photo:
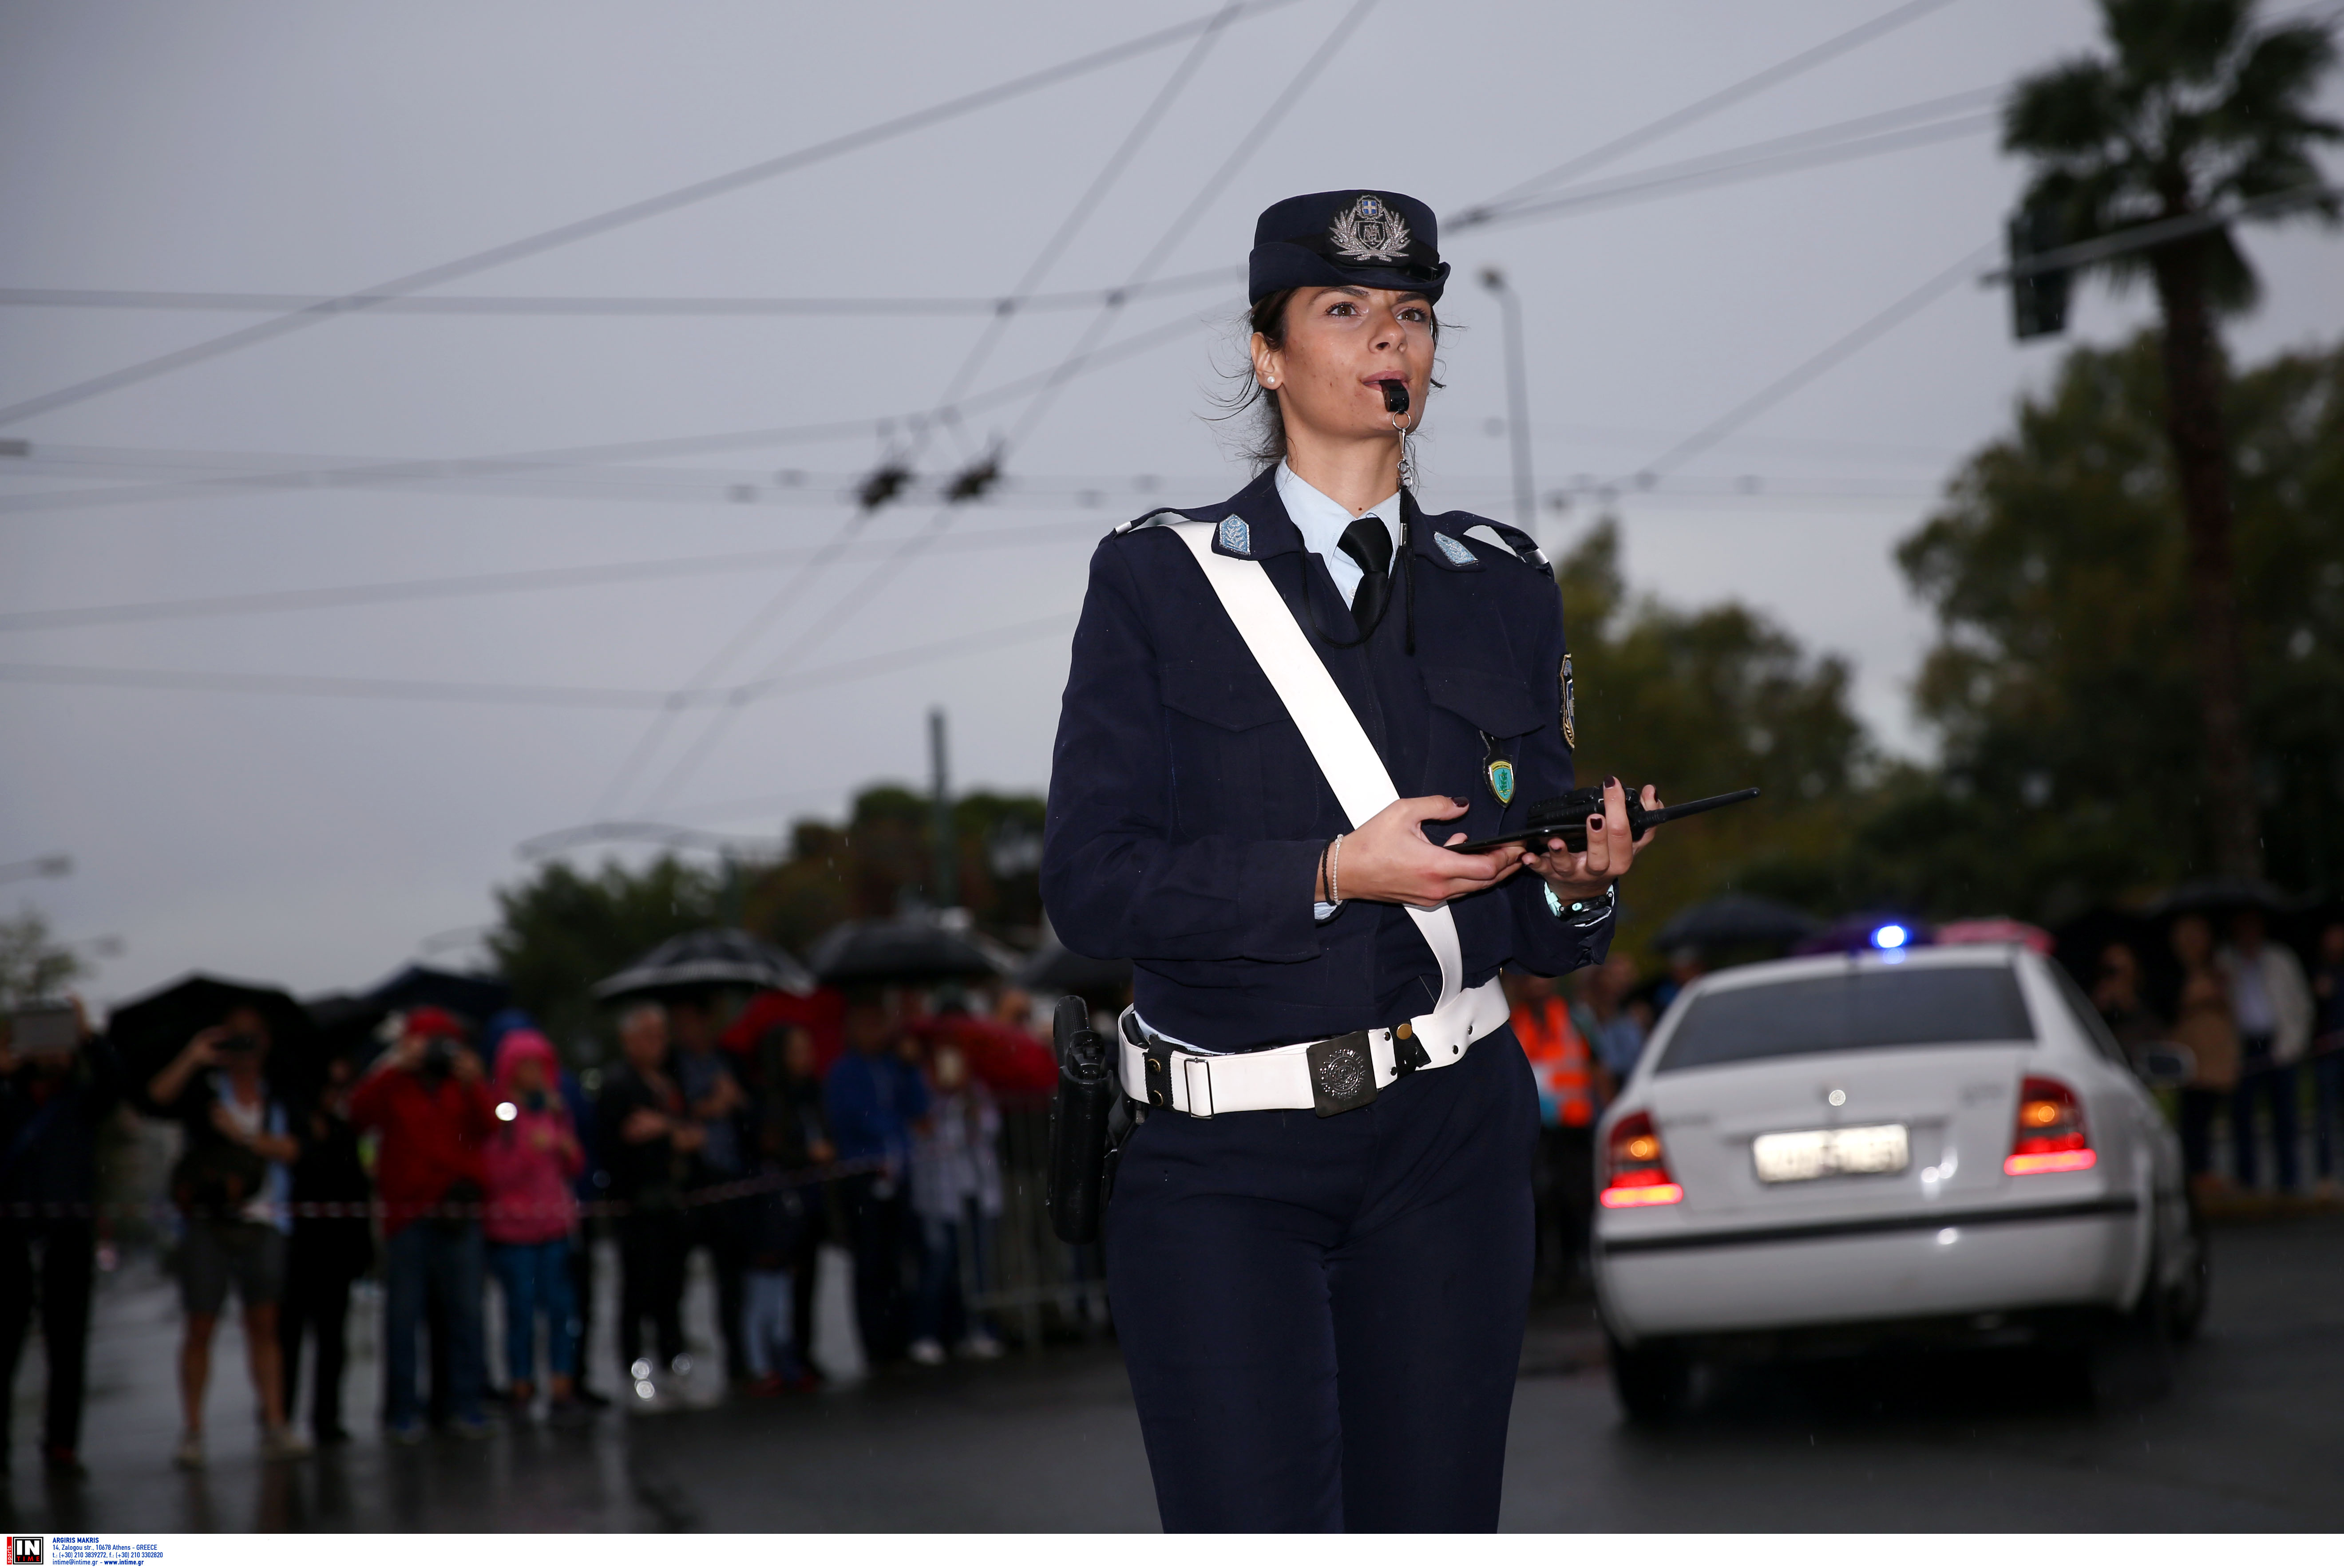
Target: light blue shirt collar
[{"x": 1322, "y": 519}]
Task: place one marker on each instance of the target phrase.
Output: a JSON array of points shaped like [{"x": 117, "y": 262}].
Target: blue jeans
[
  {"x": 2275, "y": 1087},
  {"x": 938, "y": 1312},
  {"x": 443, "y": 1258},
  {"x": 768, "y": 1323},
  {"x": 535, "y": 1277}
]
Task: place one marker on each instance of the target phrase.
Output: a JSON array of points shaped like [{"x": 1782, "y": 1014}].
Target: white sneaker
[
  {"x": 284, "y": 1444},
  {"x": 981, "y": 1346},
  {"x": 928, "y": 1352}
]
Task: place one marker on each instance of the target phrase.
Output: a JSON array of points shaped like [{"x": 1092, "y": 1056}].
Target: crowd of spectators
[
  {"x": 472, "y": 1167},
  {"x": 2254, "y": 1024},
  {"x": 463, "y": 1159}
]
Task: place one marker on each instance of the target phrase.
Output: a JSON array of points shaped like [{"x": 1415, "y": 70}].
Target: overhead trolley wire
[
  {"x": 1867, "y": 136},
  {"x": 1807, "y": 370},
  {"x": 398, "y": 470},
  {"x": 522, "y": 694},
  {"x": 718, "y": 726},
  {"x": 1702, "y": 109},
  {"x": 621, "y": 216},
  {"x": 626, "y": 304},
  {"x": 655, "y": 734}
]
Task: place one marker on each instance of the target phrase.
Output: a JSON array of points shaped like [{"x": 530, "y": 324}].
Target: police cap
[{"x": 1373, "y": 239}]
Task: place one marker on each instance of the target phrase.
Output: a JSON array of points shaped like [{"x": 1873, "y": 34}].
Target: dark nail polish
[
  {"x": 1595, "y": 824},
  {"x": 1611, "y": 781},
  {"x": 1459, "y": 798}
]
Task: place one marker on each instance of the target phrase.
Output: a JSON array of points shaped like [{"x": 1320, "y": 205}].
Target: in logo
[{"x": 28, "y": 1552}]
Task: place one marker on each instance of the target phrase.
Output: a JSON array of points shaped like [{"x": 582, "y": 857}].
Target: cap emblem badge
[{"x": 1371, "y": 231}]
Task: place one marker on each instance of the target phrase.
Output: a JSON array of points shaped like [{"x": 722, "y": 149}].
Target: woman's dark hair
[{"x": 1264, "y": 445}]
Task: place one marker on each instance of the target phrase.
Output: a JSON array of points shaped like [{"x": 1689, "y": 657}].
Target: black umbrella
[
  {"x": 1058, "y": 967},
  {"x": 910, "y": 950},
  {"x": 1735, "y": 920},
  {"x": 475, "y": 999},
  {"x": 2220, "y": 895},
  {"x": 149, "y": 1033},
  {"x": 703, "y": 961},
  {"x": 345, "y": 1023}
]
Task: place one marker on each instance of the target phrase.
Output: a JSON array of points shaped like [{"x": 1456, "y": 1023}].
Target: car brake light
[
  {"x": 1635, "y": 1171},
  {"x": 2050, "y": 1134}
]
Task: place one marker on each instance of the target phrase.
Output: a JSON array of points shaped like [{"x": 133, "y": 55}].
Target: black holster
[{"x": 1079, "y": 1116}]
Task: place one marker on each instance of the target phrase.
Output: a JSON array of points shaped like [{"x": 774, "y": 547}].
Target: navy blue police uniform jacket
[{"x": 1187, "y": 815}]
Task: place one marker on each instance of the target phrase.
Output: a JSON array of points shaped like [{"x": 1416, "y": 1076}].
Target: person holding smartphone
[{"x": 234, "y": 1186}]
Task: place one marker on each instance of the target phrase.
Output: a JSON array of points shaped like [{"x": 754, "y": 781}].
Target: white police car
[{"x": 1915, "y": 1145}]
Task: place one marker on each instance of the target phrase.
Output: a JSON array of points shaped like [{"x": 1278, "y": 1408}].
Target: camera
[{"x": 240, "y": 1044}]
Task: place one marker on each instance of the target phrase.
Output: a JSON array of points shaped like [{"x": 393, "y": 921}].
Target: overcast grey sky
[{"x": 312, "y": 820}]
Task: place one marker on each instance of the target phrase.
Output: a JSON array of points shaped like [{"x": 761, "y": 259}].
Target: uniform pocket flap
[
  {"x": 1493, "y": 703},
  {"x": 1230, "y": 696}
]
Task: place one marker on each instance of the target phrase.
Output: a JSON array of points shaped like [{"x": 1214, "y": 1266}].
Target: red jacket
[{"x": 432, "y": 1136}]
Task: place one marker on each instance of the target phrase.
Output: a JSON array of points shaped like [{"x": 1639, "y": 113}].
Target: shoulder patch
[
  {"x": 1454, "y": 550},
  {"x": 1235, "y": 537}
]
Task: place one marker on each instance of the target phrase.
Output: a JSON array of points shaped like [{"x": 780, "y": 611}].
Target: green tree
[
  {"x": 1699, "y": 702},
  {"x": 882, "y": 861},
  {"x": 2195, "y": 108},
  {"x": 561, "y": 931},
  {"x": 2064, "y": 680},
  {"x": 33, "y": 967}
]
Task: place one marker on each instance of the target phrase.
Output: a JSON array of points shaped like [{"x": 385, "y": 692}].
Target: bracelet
[{"x": 1335, "y": 869}]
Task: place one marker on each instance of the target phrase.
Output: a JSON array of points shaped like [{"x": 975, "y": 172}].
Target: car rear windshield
[{"x": 1865, "y": 1010}]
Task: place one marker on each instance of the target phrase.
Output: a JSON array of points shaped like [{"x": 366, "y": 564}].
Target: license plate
[{"x": 1832, "y": 1151}]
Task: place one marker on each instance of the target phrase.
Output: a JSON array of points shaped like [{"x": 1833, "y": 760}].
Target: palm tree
[{"x": 2199, "y": 111}]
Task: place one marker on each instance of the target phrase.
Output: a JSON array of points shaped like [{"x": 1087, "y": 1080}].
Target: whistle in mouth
[{"x": 1395, "y": 397}]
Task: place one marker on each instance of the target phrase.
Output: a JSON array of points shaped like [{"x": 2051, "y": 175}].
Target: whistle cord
[{"x": 1407, "y": 549}]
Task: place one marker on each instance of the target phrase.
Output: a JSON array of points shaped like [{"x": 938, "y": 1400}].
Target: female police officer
[{"x": 1318, "y": 1246}]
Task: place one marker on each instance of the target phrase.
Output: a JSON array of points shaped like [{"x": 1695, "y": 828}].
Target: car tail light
[
  {"x": 1635, "y": 1171},
  {"x": 2051, "y": 1135}
]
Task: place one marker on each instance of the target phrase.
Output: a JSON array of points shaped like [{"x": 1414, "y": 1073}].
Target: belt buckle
[{"x": 1342, "y": 1073}]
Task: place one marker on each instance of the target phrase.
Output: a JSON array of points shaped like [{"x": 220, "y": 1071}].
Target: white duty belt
[{"x": 1328, "y": 1075}]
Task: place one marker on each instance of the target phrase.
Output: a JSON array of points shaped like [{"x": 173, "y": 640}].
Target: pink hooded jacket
[{"x": 532, "y": 1158}]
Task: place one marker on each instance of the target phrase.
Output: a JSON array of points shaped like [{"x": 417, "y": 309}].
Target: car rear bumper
[{"x": 1688, "y": 1281}]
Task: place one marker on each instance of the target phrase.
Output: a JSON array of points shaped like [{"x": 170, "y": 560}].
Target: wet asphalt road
[{"x": 2246, "y": 1439}]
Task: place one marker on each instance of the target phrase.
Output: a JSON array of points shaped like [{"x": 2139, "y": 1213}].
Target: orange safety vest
[{"x": 1561, "y": 1061}]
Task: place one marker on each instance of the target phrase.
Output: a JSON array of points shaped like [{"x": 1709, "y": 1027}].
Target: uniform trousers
[{"x": 1322, "y": 1317}]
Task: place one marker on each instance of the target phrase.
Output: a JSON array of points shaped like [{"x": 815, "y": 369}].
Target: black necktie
[{"x": 1368, "y": 542}]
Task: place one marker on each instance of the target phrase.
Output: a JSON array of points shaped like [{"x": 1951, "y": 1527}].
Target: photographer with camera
[
  {"x": 57, "y": 1086},
  {"x": 430, "y": 1100},
  {"x": 233, "y": 1184}
]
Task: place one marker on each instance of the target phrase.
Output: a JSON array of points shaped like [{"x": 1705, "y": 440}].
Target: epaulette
[
  {"x": 1525, "y": 547},
  {"x": 1163, "y": 517}
]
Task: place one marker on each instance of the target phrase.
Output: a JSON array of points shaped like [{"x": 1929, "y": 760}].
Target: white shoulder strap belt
[{"x": 1279, "y": 1079}]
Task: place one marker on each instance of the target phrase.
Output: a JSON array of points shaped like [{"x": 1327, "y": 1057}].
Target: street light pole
[
  {"x": 944, "y": 895},
  {"x": 1518, "y": 400}
]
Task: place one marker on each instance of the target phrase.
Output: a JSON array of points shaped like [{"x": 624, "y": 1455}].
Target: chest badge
[{"x": 1497, "y": 769}]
